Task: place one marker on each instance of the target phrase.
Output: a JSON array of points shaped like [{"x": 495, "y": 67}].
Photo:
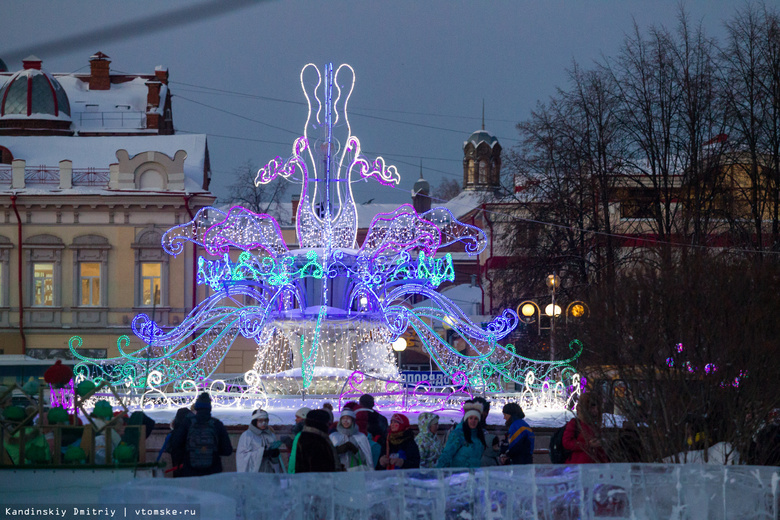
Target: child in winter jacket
[{"x": 429, "y": 443}]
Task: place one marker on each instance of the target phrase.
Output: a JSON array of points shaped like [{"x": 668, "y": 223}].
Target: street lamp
[
  {"x": 552, "y": 310},
  {"x": 399, "y": 346},
  {"x": 529, "y": 311}
]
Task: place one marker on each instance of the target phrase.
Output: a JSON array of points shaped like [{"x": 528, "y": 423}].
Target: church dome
[
  {"x": 422, "y": 186},
  {"x": 32, "y": 102},
  {"x": 34, "y": 93},
  {"x": 481, "y": 136}
]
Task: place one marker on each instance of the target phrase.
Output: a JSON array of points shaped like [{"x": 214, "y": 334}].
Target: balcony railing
[{"x": 90, "y": 177}]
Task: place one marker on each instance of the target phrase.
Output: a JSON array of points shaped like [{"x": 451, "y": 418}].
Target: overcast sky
[{"x": 423, "y": 67}]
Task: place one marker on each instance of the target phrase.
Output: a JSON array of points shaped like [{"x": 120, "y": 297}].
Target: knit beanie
[
  {"x": 346, "y": 412},
  {"x": 259, "y": 414},
  {"x": 301, "y": 413},
  {"x": 470, "y": 409}
]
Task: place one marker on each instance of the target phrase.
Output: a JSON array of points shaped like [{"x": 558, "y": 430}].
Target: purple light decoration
[
  {"x": 679, "y": 347},
  {"x": 63, "y": 397}
]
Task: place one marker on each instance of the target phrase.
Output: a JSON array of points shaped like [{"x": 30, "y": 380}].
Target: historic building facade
[{"x": 91, "y": 175}]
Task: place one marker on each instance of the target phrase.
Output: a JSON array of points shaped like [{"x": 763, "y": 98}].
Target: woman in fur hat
[
  {"x": 258, "y": 448},
  {"x": 351, "y": 445},
  {"x": 399, "y": 450},
  {"x": 466, "y": 441}
]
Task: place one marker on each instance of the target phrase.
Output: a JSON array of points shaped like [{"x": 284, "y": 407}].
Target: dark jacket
[
  {"x": 178, "y": 446},
  {"x": 371, "y": 422},
  {"x": 314, "y": 453},
  {"x": 406, "y": 446},
  {"x": 520, "y": 439}
]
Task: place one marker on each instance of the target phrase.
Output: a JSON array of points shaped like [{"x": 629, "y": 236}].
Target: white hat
[
  {"x": 346, "y": 412},
  {"x": 470, "y": 409},
  {"x": 302, "y": 412},
  {"x": 259, "y": 414}
]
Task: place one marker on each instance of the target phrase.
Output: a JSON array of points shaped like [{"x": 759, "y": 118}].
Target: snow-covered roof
[
  {"x": 100, "y": 152},
  {"x": 121, "y": 108},
  {"x": 466, "y": 201}
]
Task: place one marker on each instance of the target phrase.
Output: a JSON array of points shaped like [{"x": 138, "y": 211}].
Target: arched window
[
  {"x": 472, "y": 173},
  {"x": 483, "y": 172}
]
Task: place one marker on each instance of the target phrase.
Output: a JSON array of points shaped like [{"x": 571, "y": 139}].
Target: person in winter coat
[
  {"x": 196, "y": 447},
  {"x": 183, "y": 415},
  {"x": 520, "y": 436},
  {"x": 351, "y": 445},
  {"x": 427, "y": 441},
  {"x": 399, "y": 450},
  {"x": 466, "y": 441},
  {"x": 489, "y": 456},
  {"x": 581, "y": 435},
  {"x": 312, "y": 451},
  {"x": 369, "y": 421},
  {"x": 258, "y": 448}
]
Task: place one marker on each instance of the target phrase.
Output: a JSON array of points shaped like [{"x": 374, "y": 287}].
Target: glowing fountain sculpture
[{"x": 332, "y": 302}]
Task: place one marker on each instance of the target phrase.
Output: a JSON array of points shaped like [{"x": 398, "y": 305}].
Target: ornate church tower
[{"x": 481, "y": 160}]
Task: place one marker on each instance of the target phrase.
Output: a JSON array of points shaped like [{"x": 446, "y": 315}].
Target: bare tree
[
  {"x": 688, "y": 351},
  {"x": 260, "y": 199},
  {"x": 751, "y": 80},
  {"x": 446, "y": 190}
]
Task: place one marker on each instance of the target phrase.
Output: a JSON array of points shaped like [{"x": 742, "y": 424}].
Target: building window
[
  {"x": 483, "y": 172},
  {"x": 43, "y": 285},
  {"x": 151, "y": 273},
  {"x": 90, "y": 284},
  {"x": 151, "y": 283},
  {"x": 43, "y": 265}
]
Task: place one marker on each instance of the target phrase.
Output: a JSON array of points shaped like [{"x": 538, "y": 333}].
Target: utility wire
[
  {"x": 157, "y": 22},
  {"x": 269, "y": 125}
]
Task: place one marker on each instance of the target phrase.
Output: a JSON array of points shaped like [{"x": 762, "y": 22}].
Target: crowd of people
[{"x": 362, "y": 439}]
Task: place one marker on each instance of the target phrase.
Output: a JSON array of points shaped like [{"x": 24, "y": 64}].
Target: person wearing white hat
[
  {"x": 352, "y": 446},
  {"x": 462, "y": 449},
  {"x": 258, "y": 448}
]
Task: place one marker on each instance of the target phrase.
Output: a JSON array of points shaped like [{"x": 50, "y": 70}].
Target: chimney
[
  {"x": 31, "y": 62},
  {"x": 153, "y": 104},
  {"x": 99, "y": 78},
  {"x": 296, "y": 199},
  {"x": 161, "y": 73}
]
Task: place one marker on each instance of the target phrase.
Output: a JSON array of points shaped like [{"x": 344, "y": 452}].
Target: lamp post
[
  {"x": 529, "y": 311},
  {"x": 552, "y": 310}
]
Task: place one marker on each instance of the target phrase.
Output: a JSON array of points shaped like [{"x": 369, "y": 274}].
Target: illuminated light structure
[{"x": 331, "y": 302}]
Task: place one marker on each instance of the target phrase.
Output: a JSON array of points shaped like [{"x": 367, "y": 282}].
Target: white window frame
[
  {"x": 90, "y": 249},
  {"x": 43, "y": 249},
  {"x": 148, "y": 249},
  {"x": 39, "y": 289}
]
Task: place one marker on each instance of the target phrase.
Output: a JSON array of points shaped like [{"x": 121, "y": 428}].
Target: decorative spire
[
  {"x": 483, "y": 113},
  {"x": 421, "y": 175}
]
